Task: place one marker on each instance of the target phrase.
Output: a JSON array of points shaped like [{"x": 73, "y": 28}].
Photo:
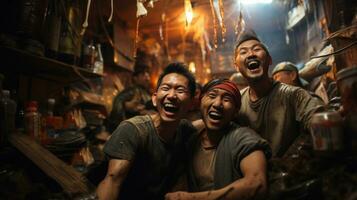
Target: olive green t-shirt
[{"x": 279, "y": 116}]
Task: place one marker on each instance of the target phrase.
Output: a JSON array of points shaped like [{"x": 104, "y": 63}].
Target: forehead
[
  {"x": 218, "y": 91},
  {"x": 284, "y": 72},
  {"x": 249, "y": 43},
  {"x": 174, "y": 79}
]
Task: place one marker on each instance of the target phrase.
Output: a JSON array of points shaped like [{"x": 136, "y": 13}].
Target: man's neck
[
  {"x": 260, "y": 88},
  {"x": 165, "y": 130},
  {"x": 211, "y": 138}
]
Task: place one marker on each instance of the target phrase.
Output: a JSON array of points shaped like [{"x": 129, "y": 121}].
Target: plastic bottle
[
  {"x": 98, "y": 64},
  {"x": 8, "y": 112},
  {"x": 52, "y": 122},
  {"x": 33, "y": 121}
]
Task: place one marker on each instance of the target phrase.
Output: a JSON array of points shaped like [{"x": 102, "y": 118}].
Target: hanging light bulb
[
  {"x": 192, "y": 67},
  {"x": 188, "y": 12}
]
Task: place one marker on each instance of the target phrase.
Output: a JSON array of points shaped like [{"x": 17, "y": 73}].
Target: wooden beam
[{"x": 72, "y": 182}]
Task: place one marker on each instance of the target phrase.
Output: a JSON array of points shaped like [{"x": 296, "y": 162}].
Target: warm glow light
[
  {"x": 255, "y": 1},
  {"x": 189, "y": 16},
  {"x": 192, "y": 67},
  {"x": 188, "y": 12}
]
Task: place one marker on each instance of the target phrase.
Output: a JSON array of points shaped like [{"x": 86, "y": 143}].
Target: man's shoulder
[
  {"x": 238, "y": 132},
  {"x": 140, "y": 119},
  {"x": 142, "y": 123},
  {"x": 285, "y": 88}
]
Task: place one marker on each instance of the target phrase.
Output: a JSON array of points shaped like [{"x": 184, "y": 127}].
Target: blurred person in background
[
  {"x": 287, "y": 72},
  {"x": 239, "y": 80}
]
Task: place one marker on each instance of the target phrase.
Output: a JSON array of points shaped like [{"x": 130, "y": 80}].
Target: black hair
[
  {"x": 140, "y": 68},
  {"x": 118, "y": 112},
  {"x": 182, "y": 69}
]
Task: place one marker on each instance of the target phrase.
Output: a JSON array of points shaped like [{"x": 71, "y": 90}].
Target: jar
[
  {"x": 347, "y": 86},
  {"x": 327, "y": 133},
  {"x": 69, "y": 49}
]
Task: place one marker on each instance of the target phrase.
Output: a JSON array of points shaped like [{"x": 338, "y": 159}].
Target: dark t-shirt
[{"x": 155, "y": 164}]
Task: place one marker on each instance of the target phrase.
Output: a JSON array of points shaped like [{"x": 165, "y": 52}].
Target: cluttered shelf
[{"x": 21, "y": 62}]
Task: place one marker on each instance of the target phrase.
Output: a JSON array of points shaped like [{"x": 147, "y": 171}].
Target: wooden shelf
[
  {"x": 71, "y": 180},
  {"x": 22, "y": 62}
]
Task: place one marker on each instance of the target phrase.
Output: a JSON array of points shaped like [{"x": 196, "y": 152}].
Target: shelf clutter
[{"x": 22, "y": 62}]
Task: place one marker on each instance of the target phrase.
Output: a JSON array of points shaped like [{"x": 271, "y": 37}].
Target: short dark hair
[
  {"x": 246, "y": 35},
  {"x": 182, "y": 69},
  {"x": 140, "y": 68}
]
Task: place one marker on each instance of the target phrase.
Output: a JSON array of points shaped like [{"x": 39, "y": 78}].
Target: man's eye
[
  {"x": 181, "y": 90},
  {"x": 165, "y": 88},
  {"x": 257, "y": 49},
  {"x": 228, "y": 98},
  {"x": 242, "y": 52},
  {"x": 211, "y": 95}
]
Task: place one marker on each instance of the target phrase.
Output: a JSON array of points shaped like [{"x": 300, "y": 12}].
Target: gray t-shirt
[
  {"x": 204, "y": 160},
  {"x": 223, "y": 163},
  {"x": 156, "y": 164},
  {"x": 279, "y": 116}
]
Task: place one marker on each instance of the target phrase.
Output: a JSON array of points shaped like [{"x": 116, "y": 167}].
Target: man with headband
[{"x": 226, "y": 160}]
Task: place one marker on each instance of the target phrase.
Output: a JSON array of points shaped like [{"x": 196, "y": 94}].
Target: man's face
[
  {"x": 134, "y": 105},
  {"x": 217, "y": 108},
  {"x": 143, "y": 79},
  {"x": 286, "y": 77},
  {"x": 172, "y": 98},
  {"x": 252, "y": 60}
]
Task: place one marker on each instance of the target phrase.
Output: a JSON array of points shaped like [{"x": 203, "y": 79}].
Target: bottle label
[{"x": 327, "y": 138}]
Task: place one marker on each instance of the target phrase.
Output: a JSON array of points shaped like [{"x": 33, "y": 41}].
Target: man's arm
[
  {"x": 110, "y": 186},
  {"x": 253, "y": 185},
  {"x": 305, "y": 106}
]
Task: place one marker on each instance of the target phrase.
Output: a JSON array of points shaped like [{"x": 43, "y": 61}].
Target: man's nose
[
  {"x": 172, "y": 94},
  {"x": 217, "y": 103},
  {"x": 250, "y": 53}
]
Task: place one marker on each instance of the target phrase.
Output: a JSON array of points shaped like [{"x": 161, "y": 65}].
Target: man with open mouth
[
  {"x": 276, "y": 111},
  {"x": 225, "y": 160},
  {"x": 147, "y": 153}
]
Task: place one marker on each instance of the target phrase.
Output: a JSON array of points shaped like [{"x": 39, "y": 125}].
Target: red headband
[{"x": 232, "y": 89}]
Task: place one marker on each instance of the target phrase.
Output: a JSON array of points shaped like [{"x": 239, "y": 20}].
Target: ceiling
[{"x": 125, "y": 11}]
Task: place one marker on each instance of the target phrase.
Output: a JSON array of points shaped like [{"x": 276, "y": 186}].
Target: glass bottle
[
  {"x": 70, "y": 37},
  {"x": 8, "y": 111},
  {"x": 88, "y": 57}
]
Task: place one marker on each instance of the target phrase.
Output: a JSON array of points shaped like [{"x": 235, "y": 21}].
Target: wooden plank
[{"x": 71, "y": 180}]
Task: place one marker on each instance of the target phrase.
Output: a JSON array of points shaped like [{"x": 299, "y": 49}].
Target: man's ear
[
  {"x": 153, "y": 98},
  {"x": 293, "y": 75},
  {"x": 236, "y": 66}
]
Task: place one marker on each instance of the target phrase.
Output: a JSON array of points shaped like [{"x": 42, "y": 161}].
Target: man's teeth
[
  {"x": 215, "y": 115},
  {"x": 169, "y": 105},
  {"x": 253, "y": 62}
]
